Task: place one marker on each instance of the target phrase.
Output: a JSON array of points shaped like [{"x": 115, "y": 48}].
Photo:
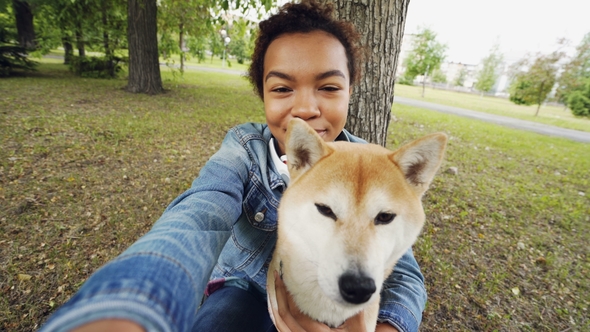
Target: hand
[
  {"x": 111, "y": 325},
  {"x": 290, "y": 319}
]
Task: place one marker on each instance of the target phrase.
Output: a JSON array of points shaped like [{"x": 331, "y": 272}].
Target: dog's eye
[
  {"x": 326, "y": 211},
  {"x": 384, "y": 218}
]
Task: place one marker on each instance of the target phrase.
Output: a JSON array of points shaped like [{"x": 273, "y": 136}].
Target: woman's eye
[
  {"x": 384, "y": 218},
  {"x": 326, "y": 211},
  {"x": 330, "y": 88},
  {"x": 281, "y": 90}
]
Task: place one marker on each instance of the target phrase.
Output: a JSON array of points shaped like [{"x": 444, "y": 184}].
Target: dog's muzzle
[{"x": 356, "y": 288}]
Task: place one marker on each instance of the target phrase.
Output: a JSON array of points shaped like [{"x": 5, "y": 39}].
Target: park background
[{"x": 87, "y": 167}]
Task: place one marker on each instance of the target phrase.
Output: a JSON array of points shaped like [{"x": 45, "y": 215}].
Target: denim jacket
[{"x": 224, "y": 226}]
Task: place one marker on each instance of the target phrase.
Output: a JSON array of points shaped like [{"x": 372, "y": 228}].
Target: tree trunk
[
  {"x": 180, "y": 45},
  {"x": 539, "y": 98},
  {"x": 381, "y": 24},
  {"x": 24, "y": 24},
  {"x": 80, "y": 40},
  {"x": 144, "y": 66},
  {"x": 68, "y": 48},
  {"x": 108, "y": 51}
]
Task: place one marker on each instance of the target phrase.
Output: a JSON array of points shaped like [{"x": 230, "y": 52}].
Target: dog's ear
[
  {"x": 304, "y": 147},
  {"x": 419, "y": 160}
]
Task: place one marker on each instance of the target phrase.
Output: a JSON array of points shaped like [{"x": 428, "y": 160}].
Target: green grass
[
  {"x": 551, "y": 115},
  {"x": 86, "y": 168},
  {"x": 512, "y": 187}
]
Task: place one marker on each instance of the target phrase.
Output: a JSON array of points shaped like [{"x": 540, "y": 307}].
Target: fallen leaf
[
  {"x": 24, "y": 277},
  {"x": 516, "y": 291}
]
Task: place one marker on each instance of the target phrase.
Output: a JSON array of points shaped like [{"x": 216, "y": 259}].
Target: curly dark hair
[{"x": 304, "y": 17}]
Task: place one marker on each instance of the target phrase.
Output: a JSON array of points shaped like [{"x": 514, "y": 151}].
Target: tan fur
[{"x": 357, "y": 181}]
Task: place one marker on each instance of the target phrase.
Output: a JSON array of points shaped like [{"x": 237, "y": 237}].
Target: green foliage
[
  {"x": 14, "y": 57},
  {"x": 84, "y": 24},
  {"x": 487, "y": 76},
  {"x": 96, "y": 67},
  {"x": 579, "y": 100},
  {"x": 460, "y": 78},
  {"x": 404, "y": 80},
  {"x": 197, "y": 47},
  {"x": 439, "y": 77},
  {"x": 426, "y": 56},
  {"x": 521, "y": 92},
  {"x": 8, "y": 32},
  {"x": 180, "y": 20},
  {"x": 242, "y": 43},
  {"x": 532, "y": 86},
  {"x": 575, "y": 71}
]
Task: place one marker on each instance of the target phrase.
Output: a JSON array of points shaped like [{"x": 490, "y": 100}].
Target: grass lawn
[
  {"x": 86, "y": 168},
  {"x": 551, "y": 115}
]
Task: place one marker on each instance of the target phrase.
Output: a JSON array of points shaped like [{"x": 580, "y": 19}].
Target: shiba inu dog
[{"x": 350, "y": 212}]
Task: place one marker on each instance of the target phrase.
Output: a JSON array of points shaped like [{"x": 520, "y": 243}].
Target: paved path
[{"x": 540, "y": 128}]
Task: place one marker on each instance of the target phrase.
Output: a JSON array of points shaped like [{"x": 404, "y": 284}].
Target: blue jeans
[{"x": 233, "y": 308}]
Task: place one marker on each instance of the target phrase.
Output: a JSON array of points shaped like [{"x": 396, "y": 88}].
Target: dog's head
[{"x": 351, "y": 211}]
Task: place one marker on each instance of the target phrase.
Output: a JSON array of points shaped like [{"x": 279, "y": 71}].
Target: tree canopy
[
  {"x": 490, "y": 70},
  {"x": 426, "y": 55},
  {"x": 574, "y": 77},
  {"x": 534, "y": 79}
]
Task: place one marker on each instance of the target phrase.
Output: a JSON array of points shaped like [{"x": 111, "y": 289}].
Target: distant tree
[
  {"x": 460, "y": 77},
  {"x": 575, "y": 71},
  {"x": 179, "y": 19},
  {"x": 490, "y": 70},
  {"x": 242, "y": 41},
  {"x": 426, "y": 56},
  {"x": 533, "y": 85}
]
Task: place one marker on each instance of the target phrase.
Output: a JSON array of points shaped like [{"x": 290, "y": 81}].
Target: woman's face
[{"x": 306, "y": 76}]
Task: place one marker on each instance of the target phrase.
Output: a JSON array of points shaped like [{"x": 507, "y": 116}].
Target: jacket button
[{"x": 259, "y": 216}]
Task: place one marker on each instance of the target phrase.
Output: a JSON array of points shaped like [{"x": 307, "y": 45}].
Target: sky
[{"x": 520, "y": 27}]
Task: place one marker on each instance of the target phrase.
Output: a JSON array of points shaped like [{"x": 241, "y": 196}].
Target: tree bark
[
  {"x": 108, "y": 50},
  {"x": 180, "y": 45},
  {"x": 381, "y": 24},
  {"x": 80, "y": 40},
  {"x": 68, "y": 48},
  {"x": 144, "y": 66},
  {"x": 24, "y": 24}
]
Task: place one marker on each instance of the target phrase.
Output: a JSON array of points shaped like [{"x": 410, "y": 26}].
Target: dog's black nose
[{"x": 356, "y": 289}]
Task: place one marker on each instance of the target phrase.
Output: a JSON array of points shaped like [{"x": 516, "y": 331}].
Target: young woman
[{"x": 216, "y": 239}]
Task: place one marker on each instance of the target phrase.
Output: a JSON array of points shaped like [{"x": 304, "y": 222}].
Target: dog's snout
[{"x": 356, "y": 289}]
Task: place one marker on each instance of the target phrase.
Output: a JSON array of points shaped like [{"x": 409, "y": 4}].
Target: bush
[
  {"x": 579, "y": 100},
  {"x": 13, "y": 57},
  {"x": 579, "y": 104},
  {"x": 96, "y": 67},
  {"x": 405, "y": 80}
]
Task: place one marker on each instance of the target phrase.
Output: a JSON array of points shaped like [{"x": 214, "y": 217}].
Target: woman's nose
[{"x": 305, "y": 106}]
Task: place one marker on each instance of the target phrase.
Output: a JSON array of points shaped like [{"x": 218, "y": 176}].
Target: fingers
[
  {"x": 356, "y": 323},
  {"x": 285, "y": 321},
  {"x": 292, "y": 319}
]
